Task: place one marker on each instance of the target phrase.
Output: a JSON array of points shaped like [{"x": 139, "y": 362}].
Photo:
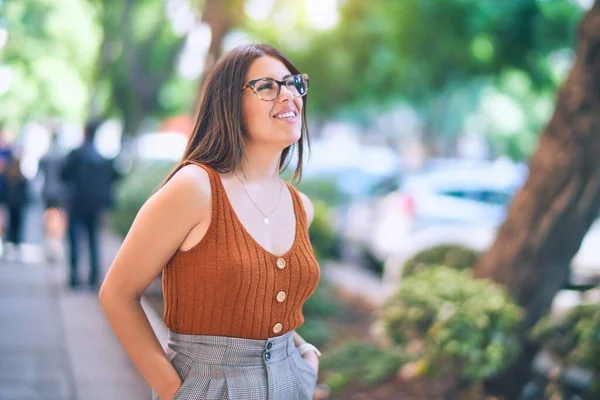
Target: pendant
[{"x": 266, "y": 220}]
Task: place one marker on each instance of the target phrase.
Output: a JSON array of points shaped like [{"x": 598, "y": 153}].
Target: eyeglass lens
[{"x": 268, "y": 89}]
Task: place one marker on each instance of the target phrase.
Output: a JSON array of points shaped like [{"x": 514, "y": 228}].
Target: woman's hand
[{"x": 312, "y": 360}]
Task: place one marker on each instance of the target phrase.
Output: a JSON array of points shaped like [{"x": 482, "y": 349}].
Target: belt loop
[
  {"x": 227, "y": 352},
  {"x": 290, "y": 344}
]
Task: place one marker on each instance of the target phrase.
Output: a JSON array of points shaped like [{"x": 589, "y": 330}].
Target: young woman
[{"x": 231, "y": 239}]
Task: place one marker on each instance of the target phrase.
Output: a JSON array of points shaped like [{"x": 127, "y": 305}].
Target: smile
[{"x": 287, "y": 115}]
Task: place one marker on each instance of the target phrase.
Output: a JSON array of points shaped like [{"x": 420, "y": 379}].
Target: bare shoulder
[
  {"x": 188, "y": 188},
  {"x": 308, "y": 207},
  {"x": 192, "y": 177},
  {"x": 158, "y": 231}
]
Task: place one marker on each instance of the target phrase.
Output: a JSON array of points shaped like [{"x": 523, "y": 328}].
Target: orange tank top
[{"x": 229, "y": 285}]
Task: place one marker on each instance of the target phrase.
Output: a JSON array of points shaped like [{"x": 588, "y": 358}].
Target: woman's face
[{"x": 264, "y": 121}]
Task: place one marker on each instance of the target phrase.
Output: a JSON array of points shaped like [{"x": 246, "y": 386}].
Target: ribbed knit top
[{"x": 229, "y": 285}]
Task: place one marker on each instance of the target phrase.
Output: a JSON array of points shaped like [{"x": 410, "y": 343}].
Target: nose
[{"x": 285, "y": 94}]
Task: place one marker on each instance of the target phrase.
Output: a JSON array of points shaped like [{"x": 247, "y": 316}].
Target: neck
[{"x": 259, "y": 166}]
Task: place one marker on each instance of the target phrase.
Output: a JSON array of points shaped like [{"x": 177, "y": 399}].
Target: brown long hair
[{"x": 218, "y": 137}]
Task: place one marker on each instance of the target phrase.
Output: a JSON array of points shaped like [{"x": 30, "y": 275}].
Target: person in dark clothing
[
  {"x": 5, "y": 156},
  {"x": 89, "y": 178},
  {"x": 16, "y": 197},
  {"x": 53, "y": 195}
]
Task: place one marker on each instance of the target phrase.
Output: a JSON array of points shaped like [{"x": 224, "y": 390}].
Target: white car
[
  {"x": 463, "y": 206},
  {"x": 469, "y": 194}
]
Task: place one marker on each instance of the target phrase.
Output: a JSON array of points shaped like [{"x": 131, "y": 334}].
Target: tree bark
[
  {"x": 135, "y": 86},
  {"x": 221, "y": 16},
  {"x": 550, "y": 215}
]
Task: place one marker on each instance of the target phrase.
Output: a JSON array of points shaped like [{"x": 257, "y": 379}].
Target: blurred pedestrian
[
  {"x": 5, "y": 156},
  {"x": 16, "y": 199},
  {"x": 231, "y": 239},
  {"x": 53, "y": 196},
  {"x": 89, "y": 179}
]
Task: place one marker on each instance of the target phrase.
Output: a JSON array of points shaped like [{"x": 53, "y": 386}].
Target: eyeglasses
[{"x": 268, "y": 89}]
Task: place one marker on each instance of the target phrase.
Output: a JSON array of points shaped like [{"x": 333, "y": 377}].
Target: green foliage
[
  {"x": 324, "y": 194},
  {"x": 574, "y": 337},
  {"x": 324, "y": 190},
  {"x": 440, "y": 57},
  {"x": 319, "y": 310},
  {"x": 514, "y": 92},
  {"x": 356, "y": 360},
  {"x": 175, "y": 96},
  {"x": 134, "y": 189},
  {"x": 454, "y": 256},
  {"x": 323, "y": 304},
  {"x": 68, "y": 58},
  {"x": 50, "y": 52},
  {"x": 316, "y": 332},
  {"x": 465, "y": 325},
  {"x": 138, "y": 58},
  {"x": 323, "y": 237},
  {"x": 375, "y": 55}
]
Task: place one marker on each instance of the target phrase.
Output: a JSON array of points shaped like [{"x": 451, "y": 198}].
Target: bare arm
[
  {"x": 298, "y": 341},
  {"x": 157, "y": 232}
]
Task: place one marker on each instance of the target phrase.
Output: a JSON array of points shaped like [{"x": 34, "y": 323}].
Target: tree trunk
[
  {"x": 551, "y": 214},
  {"x": 134, "y": 81},
  {"x": 221, "y": 16}
]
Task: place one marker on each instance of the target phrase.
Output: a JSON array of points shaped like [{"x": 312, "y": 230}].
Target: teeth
[{"x": 286, "y": 115}]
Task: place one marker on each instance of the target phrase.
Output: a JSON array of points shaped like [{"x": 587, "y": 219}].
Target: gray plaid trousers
[{"x": 220, "y": 367}]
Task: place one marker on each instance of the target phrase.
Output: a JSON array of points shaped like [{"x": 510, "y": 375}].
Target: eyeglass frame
[{"x": 250, "y": 85}]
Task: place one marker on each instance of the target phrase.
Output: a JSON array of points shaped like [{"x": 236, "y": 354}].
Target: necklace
[{"x": 265, "y": 216}]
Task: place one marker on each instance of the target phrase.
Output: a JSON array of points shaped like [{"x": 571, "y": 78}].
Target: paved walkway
[
  {"x": 356, "y": 281},
  {"x": 56, "y": 343}
]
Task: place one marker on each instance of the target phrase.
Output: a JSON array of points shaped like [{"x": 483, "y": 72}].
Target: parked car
[
  {"x": 456, "y": 205},
  {"x": 458, "y": 194},
  {"x": 344, "y": 178},
  {"x": 346, "y": 173}
]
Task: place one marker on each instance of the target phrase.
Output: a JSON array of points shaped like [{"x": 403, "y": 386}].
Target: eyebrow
[{"x": 263, "y": 77}]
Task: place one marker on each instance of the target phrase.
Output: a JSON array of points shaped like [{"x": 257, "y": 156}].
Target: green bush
[
  {"x": 322, "y": 190},
  {"x": 573, "y": 337},
  {"x": 324, "y": 304},
  {"x": 454, "y": 256},
  {"x": 323, "y": 237},
  {"x": 461, "y": 323},
  {"x": 133, "y": 191},
  {"x": 359, "y": 361},
  {"x": 318, "y": 310},
  {"x": 317, "y": 332},
  {"x": 325, "y": 195}
]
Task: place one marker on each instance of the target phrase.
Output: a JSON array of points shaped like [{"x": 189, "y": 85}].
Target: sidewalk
[
  {"x": 355, "y": 281},
  {"x": 56, "y": 343}
]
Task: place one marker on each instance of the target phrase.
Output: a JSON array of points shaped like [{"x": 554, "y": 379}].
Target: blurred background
[{"x": 424, "y": 117}]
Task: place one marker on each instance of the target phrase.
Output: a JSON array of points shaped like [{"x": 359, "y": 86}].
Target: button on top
[
  {"x": 269, "y": 345},
  {"x": 280, "y": 263},
  {"x": 281, "y": 296},
  {"x": 277, "y": 328}
]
